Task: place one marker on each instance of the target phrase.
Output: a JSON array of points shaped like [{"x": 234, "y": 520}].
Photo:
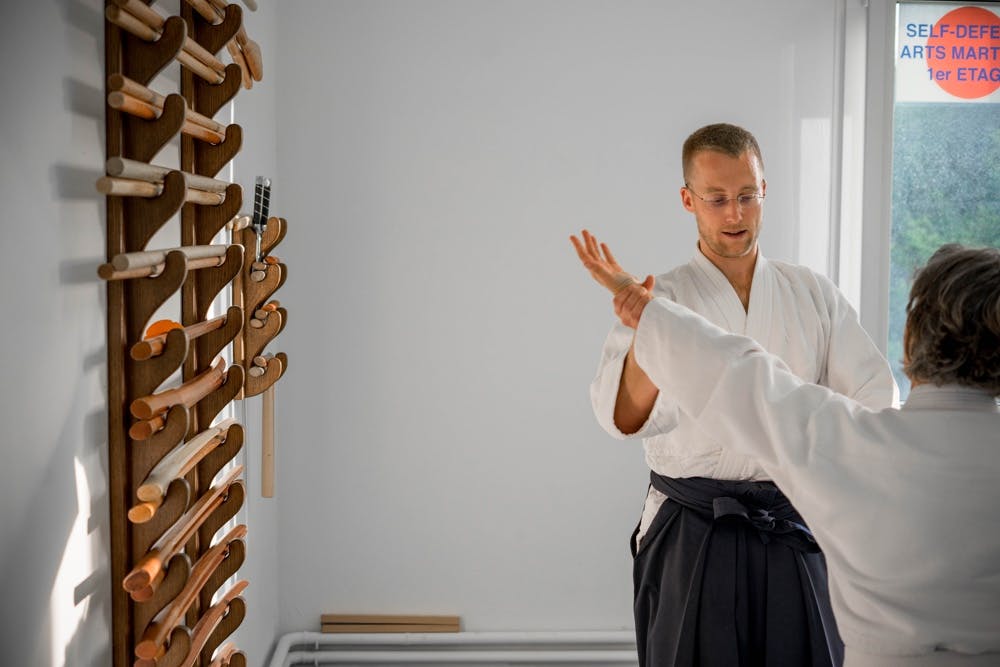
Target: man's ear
[{"x": 687, "y": 200}]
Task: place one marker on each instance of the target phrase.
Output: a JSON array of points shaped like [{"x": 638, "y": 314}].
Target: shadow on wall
[{"x": 55, "y": 576}]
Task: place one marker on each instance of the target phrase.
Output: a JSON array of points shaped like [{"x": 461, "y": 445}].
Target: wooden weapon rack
[{"x": 174, "y": 475}]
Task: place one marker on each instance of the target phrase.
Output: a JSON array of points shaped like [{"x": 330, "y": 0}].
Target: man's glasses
[{"x": 745, "y": 200}]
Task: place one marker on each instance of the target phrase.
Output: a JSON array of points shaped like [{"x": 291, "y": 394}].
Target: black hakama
[{"x": 728, "y": 575}]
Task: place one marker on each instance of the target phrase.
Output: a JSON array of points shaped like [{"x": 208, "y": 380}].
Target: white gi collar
[{"x": 950, "y": 397}]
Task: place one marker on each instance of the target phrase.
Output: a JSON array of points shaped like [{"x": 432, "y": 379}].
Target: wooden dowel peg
[
  {"x": 256, "y": 324},
  {"x": 179, "y": 461},
  {"x": 258, "y": 276},
  {"x": 108, "y": 272},
  {"x": 267, "y": 444},
  {"x": 142, "y": 171},
  {"x": 187, "y": 394},
  {"x": 154, "y": 637},
  {"x": 261, "y": 360},
  {"x": 153, "y": 346},
  {"x": 174, "y": 539},
  {"x": 120, "y": 83}
]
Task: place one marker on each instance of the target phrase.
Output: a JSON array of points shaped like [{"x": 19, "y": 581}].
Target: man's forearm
[{"x": 636, "y": 396}]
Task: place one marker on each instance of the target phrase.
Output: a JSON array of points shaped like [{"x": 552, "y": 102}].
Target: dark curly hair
[
  {"x": 953, "y": 319},
  {"x": 731, "y": 140}
]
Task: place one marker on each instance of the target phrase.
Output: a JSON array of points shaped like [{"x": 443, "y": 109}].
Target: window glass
[{"x": 946, "y": 142}]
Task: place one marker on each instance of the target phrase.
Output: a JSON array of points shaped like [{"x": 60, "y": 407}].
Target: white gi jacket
[
  {"x": 793, "y": 312},
  {"x": 903, "y": 502}
]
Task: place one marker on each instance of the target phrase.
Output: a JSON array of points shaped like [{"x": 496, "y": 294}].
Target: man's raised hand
[{"x": 631, "y": 296}]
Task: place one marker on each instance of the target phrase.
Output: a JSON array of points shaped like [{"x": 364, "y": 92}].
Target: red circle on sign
[{"x": 964, "y": 47}]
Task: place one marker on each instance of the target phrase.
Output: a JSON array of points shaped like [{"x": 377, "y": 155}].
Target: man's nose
[{"x": 734, "y": 210}]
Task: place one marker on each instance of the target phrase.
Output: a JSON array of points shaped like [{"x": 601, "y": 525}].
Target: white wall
[
  {"x": 437, "y": 452},
  {"x": 54, "y": 540}
]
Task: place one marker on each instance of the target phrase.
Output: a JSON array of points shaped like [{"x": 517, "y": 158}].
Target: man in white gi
[
  {"x": 715, "y": 586},
  {"x": 902, "y": 501}
]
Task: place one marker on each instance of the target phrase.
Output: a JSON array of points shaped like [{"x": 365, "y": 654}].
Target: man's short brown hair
[{"x": 725, "y": 138}]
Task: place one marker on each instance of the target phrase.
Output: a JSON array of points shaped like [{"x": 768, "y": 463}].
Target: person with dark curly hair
[{"x": 902, "y": 501}]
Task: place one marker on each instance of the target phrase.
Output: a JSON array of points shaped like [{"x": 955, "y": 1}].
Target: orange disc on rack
[
  {"x": 271, "y": 259},
  {"x": 160, "y": 327}
]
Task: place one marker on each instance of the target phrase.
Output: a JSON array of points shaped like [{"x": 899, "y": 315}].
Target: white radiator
[{"x": 478, "y": 649}]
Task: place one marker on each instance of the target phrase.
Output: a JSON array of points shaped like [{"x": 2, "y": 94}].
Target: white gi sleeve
[
  {"x": 737, "y": 392},
  {"x": 604, "y": 390},
  {"x": 854, "y": 365}
]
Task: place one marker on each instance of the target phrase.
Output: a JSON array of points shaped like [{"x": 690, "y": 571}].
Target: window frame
[{"x": 876, "y": 204}]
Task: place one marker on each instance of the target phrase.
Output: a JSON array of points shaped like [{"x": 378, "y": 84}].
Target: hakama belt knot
[{"x": 759, "y": 503}]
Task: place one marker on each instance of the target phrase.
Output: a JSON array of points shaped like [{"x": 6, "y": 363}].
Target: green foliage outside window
[{"x": 946, "y": 189}]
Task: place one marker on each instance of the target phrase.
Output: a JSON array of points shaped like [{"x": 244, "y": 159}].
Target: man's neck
[{"x": 737, "y": 270}]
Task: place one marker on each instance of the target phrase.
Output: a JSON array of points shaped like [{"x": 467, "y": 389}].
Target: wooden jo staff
[
  {"x": 154, "y": 20},
  {"x": 121, "y": 83},
  {"x": 108, "y": 271},
  {"x": 141, "y": 171},
  {"x": 179, "y": 462},
  {"x": 143, "y": 258},
  {"x": 224, "y": 655},
  {"x": 152, "y": 346},
  {"x": 208, "y": 12},
  {"x": 128, "y": 187},
  {"x": 153, "y": 642},
  {"x": 191, "y": 53},
  {"x": 140, "y": 109},
  {"x": 145, "y": 428},
  {"x": 249, "y": 49},
  {"x": 249, "y": 54},
  {"x": 148, "y": 570},
  {"x": 187, "y": 394},
  {"x": 267, "y": 443}
]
